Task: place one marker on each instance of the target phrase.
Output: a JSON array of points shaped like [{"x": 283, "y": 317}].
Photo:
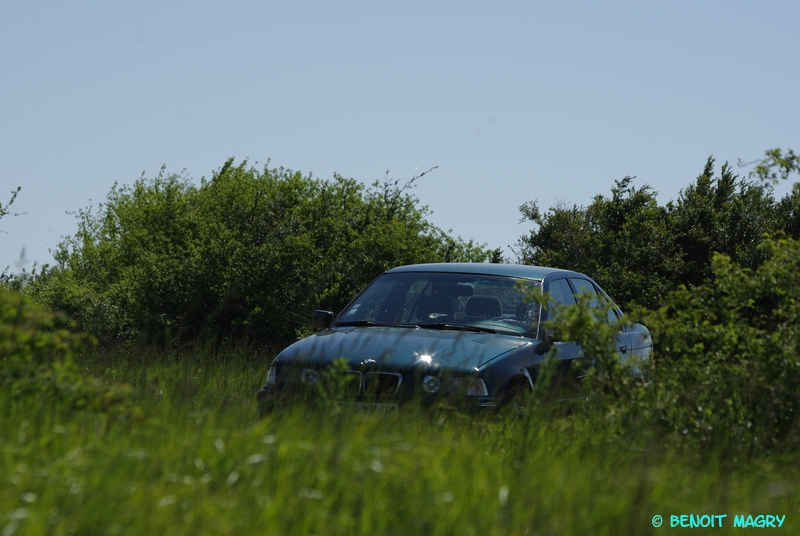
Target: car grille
[
  {"x": 350, "y": 380},
  {"x": 382, "y": 383}
]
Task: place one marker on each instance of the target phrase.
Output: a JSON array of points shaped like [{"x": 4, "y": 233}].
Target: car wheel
[
  {"x": 515, "y": 399},
  {"x": 266, "y": 408}
]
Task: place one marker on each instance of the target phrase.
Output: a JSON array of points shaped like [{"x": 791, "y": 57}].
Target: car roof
[{"x": 484, "y": 268}]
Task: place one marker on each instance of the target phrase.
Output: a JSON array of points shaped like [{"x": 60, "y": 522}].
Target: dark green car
[{"x": 460, "y": 330}]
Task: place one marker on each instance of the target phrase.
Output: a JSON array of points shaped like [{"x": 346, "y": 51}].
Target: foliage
[
  {"x": 199, "y": 462},
  {"x": 246, "y": 255},
  {"x": 725, "y": 215},
  {"x": 587, "y": 325},
  {"x": 728, "y": 375},
  {"x": 639, "y": 250},
  {"x": 775, "y": 165},
  {"x": 37, "y": 351},
  {"x": 4, "y": 275},
  {"x": 728, "y": 354},
  {"x": 622, "y": 241},
  {"x": 789, "y": 211},
  {"x": 4, "y": 208},
  {"x": 615, "y": 390}
]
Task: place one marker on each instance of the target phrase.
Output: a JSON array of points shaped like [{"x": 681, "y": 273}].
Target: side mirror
[
  {"x": 322, "y": 319},
  {"x": 546, "y": 344}
]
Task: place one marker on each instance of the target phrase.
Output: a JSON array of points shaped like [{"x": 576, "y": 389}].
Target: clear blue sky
[{"x": 512, "y": 100}]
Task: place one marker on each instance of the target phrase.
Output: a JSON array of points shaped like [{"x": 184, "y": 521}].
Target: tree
[
  {"x": 775, "y": 164},
  {"x": 622, "y": 241},
  {"x": 5, "y": 277},
  {"x": 725, "y": 214},
  {"x": 727, "y": 353},
  {"x": 4, "y": 208},
  {"x": 245, "y": 256},
  {"x": 638, "y": 250}
]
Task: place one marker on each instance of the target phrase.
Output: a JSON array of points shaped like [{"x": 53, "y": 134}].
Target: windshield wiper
[
  {"x": 460, "y": 327},
  {"x": 360, "y": 323}
]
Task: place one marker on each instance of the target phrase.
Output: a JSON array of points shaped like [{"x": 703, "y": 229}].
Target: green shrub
[
  {"x": 37, "y": 351},
  {"x": 246, "y": 256},
  {"x": 727, "y": 372},
  {"x": 727, "y": 354},
  {"x": 639, "y": 251}
]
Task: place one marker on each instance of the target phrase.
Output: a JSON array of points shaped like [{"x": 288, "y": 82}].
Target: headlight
[
  {"x": 431, "y": 384},
  {"x": 468, "y": 386},
  {"x": 477, "y": 388},
  {"x": 309, "y": 377},
  {"x": 272, "y": 377}
]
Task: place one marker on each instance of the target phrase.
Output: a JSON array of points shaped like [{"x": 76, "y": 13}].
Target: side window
[
  {"x": 561, "y": 292},
  {"x": 598, "y": 299},
  {"x": 607, "y": 303},
  {"x": 584, "y": 286},
  {"x": 612, "y": 315}
]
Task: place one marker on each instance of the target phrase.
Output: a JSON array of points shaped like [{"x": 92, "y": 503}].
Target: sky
[{"x": 513, "y": 101}]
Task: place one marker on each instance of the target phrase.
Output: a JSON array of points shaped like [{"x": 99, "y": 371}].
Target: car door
[
  {"x": 562, "y": 293},
  {"x": 606, "y": 309}
]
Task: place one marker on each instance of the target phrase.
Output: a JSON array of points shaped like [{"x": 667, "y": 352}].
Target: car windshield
[{"x": 469, "y": 302}]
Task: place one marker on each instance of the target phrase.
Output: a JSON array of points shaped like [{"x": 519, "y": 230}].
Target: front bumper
[{"x": 268, "y": 398}]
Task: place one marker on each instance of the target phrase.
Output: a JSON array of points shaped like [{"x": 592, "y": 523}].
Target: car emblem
[{"x": 368, "y": 362}]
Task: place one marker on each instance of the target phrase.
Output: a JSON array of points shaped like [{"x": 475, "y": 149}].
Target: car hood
[{"x": 400, "y": 348}]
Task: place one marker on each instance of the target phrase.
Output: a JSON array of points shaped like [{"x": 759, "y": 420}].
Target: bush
[
  {"x": 638, "y": 250},
  {"x": 37, "y": 351},
  {"x": 727, "y": 373},
  {"x": 245, "y": 257},
  {"x": 727, "y": 354}
]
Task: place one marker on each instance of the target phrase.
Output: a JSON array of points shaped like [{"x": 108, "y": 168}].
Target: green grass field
[{"x": 187, "y": 455}]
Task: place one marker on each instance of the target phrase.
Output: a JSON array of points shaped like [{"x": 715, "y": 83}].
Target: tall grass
[{"x": 188, "y": 455}]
